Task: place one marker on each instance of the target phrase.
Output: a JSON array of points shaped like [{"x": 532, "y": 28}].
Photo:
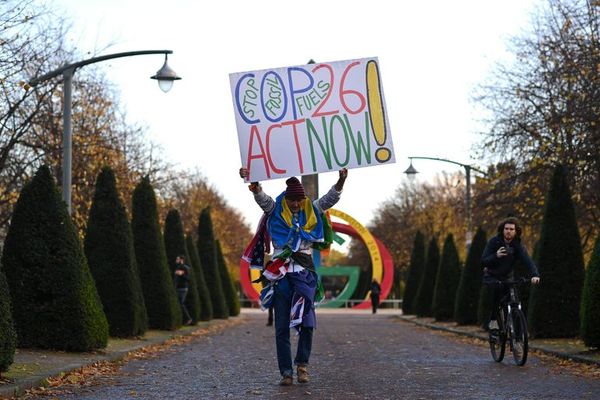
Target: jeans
[
  {"x": 181, "y": 294},
  {"x": 282, "y": 304}
]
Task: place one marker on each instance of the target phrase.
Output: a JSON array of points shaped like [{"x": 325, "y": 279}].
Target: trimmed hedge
[
  {"x": 174, "y": 246},
  {"x": 109, "y": 250},
  {"x": 467, "y": 295},
  {"x": 206, "y": 312},
  {"x": 157, "y": 285},
  {"x": 446, "y": 282},
  {"x": 8, "y": 336},
  {"x": 554, "y": 303},
  {"x": 590, "y": 301},
  {"x": 54, "y": 300},
  {"x": 415, "y": 271},
  {"x": 231, "y": 295},
  {"x": 208, "y": 258},
  {"x": 424, "y": 297}
]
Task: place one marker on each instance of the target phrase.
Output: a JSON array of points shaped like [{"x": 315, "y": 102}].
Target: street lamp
[
  {"x": 411, "y": 172},
  {"x": 165, "y": 77}
]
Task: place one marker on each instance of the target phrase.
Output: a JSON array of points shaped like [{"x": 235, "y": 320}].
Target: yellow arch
[{"x": 370, "y": 242}]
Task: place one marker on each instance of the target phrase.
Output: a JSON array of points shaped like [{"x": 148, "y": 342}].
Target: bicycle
[{"x": 512, "y": 326}]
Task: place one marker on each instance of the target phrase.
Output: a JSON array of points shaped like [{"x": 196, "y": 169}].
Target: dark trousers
[
  {"x": 282, "y": 305},
  {"x": 181, "y": 295},
  {"x": 374, "y": 302},
  {"x": 497, "y": 292}
]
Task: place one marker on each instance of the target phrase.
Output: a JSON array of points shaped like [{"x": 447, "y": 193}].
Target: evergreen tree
[
  {"x": 157, "y": 285},
  {"x": 8, "y": 337},
  {"x": 109, "y": 250},
  {"x": 54, "y": 300},
  {"x": 424, "y": 296},
  {"x": 485, "y": 306},
  {"x": 590, "y": 301},
  {"x": 175, "y": 246},
  {"x": 415, "y": 271},
  {"x": 560, "y": 266},
  {"x": 208, "y": 258},
  {"x": 231, "y": 294},
  {"x": 206, "y": 312},
  {"x": 446, "y": 282},
  {"x": 467, "y": 296}
]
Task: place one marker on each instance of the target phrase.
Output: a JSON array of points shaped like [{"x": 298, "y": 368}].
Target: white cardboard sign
[{"x": 312, "y": 118}]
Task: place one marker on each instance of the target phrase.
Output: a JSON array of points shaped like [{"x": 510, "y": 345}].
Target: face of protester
[
  {"x": 509, "y": 233},
  {"x": 294, "y": 204}
]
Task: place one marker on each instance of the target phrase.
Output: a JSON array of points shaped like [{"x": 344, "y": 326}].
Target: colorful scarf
[{"x": 288, "y": 231}]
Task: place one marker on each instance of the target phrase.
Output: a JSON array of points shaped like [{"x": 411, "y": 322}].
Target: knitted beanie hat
[{"x": 294, "y": 190}]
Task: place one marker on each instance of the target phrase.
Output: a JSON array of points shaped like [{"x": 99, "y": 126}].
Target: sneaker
[
  {"x": 286, "y": 381},
  {"x": 303, "y": 374},
  {"x": 493, "y": 325}
]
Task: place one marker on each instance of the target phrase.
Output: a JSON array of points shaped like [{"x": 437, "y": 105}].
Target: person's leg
[
  {"x": 304, "y": 346},
  {"x": 270, "y": 317},
  {"x": 181, "y": 295},
  {"x": 303, "y": 354},
  {"x": 281, "y": 306}
]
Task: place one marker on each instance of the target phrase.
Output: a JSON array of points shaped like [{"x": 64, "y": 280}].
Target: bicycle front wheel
[
  {"x": 519, "y": 340},
  {"x": 497, "y": 339}
]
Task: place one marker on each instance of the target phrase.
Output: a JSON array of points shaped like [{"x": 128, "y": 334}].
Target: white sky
[{"x": 431, "y": 54}]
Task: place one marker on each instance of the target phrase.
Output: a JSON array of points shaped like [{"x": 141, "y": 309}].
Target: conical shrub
[
  {"x": 206, "y": 312},
  {"x": 446, "y": 282},
  {"x": 590, "y": 301},
  {"x": 54, "y": 300},
  {"x": 8, "y": 337},
  {"x": 484, "y": 307},
  {"x": 424, "y": 297},
  {"x": 231, "y": 295},
  {"x": 109, "y": 250},
  {"x": 554, "y": 303},
  {"x": 157, "y": 285},
  {"x": 415, "y": 272},
  {"x": 175, "y": 246},
  {"x": 467, "y": 296},
  {"x": 208, "y": 258}
]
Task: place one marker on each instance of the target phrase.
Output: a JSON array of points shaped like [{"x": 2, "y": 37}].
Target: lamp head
[
  {"x": 165, "y": 77},
  {"x": 411, "y": 172}
]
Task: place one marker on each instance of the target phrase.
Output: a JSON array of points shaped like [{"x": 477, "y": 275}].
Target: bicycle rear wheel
[
  {"x": 497, "y": 338},
  {"x": 519, "y": 340}
]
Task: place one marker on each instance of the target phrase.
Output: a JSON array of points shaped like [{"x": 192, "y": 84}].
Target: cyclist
[{"x": 499, "y": 258}]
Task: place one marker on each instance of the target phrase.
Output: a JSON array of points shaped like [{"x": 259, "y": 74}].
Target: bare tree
[{"x": 545, "y": 110}]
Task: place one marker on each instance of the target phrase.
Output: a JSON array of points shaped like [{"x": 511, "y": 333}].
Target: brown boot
[
  {"x": 303, "y": 374},
  {"x": 286, "y": 381}
]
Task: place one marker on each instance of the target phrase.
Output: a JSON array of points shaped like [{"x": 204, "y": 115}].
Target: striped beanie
[{"x": 294, "y": 190}]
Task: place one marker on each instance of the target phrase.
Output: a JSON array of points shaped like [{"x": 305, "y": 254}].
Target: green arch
[{"x": 352, "y": 272}]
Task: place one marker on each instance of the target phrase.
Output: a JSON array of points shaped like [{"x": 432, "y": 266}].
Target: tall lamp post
[
  {"x": 411, "y": 172},
  {"x": 165, "y": 77}
]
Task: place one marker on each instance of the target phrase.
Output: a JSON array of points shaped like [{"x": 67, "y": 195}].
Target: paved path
[{"x": 355, "y": 356}]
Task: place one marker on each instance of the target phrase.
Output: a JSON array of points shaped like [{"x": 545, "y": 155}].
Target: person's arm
[
  {"x": 333, "y": 195},
  {"x": 263, "y": 200},
  {"x": 489, "y": 258},
  {"x": 529, "y": 264}
]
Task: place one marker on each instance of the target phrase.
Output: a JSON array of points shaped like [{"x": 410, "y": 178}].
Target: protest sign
[{"x": 313, "y": 118}]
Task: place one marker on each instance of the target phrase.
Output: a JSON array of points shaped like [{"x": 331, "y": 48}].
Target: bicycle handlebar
[{"x": 517, "y": 281}]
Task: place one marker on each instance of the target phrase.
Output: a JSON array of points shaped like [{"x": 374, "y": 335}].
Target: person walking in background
[
  {"x": 181, "y": 279},
  {"x": 375, "y": 292},
  {"x": 294, "y": 224}
]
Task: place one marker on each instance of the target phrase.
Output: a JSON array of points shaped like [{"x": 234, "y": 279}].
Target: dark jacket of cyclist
[
  {"x": 499, "y": 259},
  {"x": 502, "y": 268}
]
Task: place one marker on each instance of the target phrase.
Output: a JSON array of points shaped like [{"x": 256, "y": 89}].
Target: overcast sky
[{"x": 431, "y": 54}]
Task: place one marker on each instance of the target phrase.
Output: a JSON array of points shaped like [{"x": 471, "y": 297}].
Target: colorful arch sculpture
[{"x": 382, "y": 264}]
